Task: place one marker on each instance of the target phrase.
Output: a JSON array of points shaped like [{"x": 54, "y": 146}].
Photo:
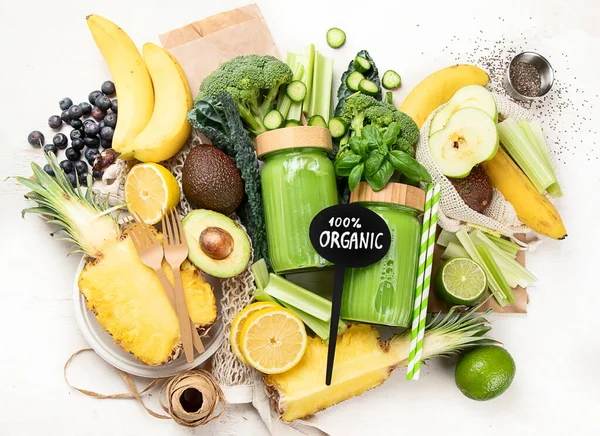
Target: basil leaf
[
  {"x": 363, "y": 149},
  {"x": 371, "y": 135},
  {"x": 344, "y": 164},
  {"x": 409, "y": 167},
  {"x": 381, "y": 177},
  {"x": 355, "y": 143},
  {"x": 355, "y": 176},
  {"x": 374, "y": 162},
  {"x": 391, "y": 134}
]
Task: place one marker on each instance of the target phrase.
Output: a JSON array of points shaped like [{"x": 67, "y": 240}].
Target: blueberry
[
  {"x": 55, "y": 122},
  {"x": 107, "y": 133},
  {"x": 91, "y": 129},
  {"x": 113, "y": 105},
  {"x": 78, "y": 144},
  {"x": 35, "y": 138},
  {"x": 110, "y": 120},
  {"x": 76, "y": 124},
  {"x": 108, "y": 87},
  {"x": 97, "y": 174},
  {"x": 103, "y": 102},
  {"x": 105, "y": 144},
  {"x": 75, "y": 112},
  {"x": 65, "y": 116},
  {"x": 98, "y": 114},
  {"x": 76, "y": 134},
  {"x": 86, "y": 108},
  {"x": 71, "y": 177},
  {"x": 88, "y": 122},
  {"x": 66, "y": 166},
  {"x": 60, "y": 140},
  {"x": 93, "y": 96},
  {"x": 91, "y": 154},
  {"x": 49, "y": 170},
  {"x": 101, "y": 124},
  {"x": 82, "y": 179},
  {"x": 65, "y": 103},
  {"x": 81, "y": 167},
  {"x": 72, "y": 154},
  {"x": 51, "y": 148},
  {"x": 91, "y": 141}
]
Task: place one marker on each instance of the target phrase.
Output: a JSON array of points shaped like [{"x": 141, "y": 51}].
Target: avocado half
[{"x": 217, "y": 244}]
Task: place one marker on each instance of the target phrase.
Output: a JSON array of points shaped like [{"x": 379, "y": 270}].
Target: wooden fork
[{"x": 151, "y": 254}]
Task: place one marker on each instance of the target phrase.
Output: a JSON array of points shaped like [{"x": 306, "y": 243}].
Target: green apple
[
  {"x": 468, "y": 96},
  {"x": 469, "y": 138}
]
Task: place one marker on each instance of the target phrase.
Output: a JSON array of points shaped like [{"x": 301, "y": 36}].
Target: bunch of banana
[{"x": 154, "y": 95}]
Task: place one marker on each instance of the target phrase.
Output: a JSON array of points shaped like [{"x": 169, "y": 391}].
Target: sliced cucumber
[
  {"x": 317, "y": 120},
  {"x": 368, "y": 87},
  {"x": 336, "y": 37},
  {"x": 338, "y": 127},
  {"x": 362, "y": 65},
  {"x": 296, "y": 90},
  {"x": 391, "y": 79},
  {"x": 389, "y": 97},
  {"x": 353, "y": 80},
  {"x": 293, "y": 123},
  {"x": 273, "y": 120}
]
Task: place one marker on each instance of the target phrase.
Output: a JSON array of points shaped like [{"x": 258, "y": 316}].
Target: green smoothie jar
[
  {"x": 298, "y": 181},
  {"x": 383, "y": 293}
]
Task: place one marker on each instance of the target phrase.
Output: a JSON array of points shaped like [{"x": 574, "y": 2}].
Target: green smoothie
[
  {"x": 383, "y": 293},
  {"x": 297, "y": 184}
]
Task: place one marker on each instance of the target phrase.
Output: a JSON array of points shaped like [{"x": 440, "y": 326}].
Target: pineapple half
[{"x": 125, "y": 295}]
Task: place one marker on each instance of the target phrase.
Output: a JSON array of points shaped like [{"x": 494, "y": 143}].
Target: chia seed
[{"x": 526, "y": 79}]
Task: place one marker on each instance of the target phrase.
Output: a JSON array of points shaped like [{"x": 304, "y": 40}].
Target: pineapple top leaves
[{"x": 88, "y": 224}]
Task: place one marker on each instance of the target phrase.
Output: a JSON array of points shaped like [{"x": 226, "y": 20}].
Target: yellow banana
[
  {"x": 533, "y": 209},
  {"x": 132, "y": 81},
  {"x": 168, "y": 129},
  {"x": 437, "y": 88}
]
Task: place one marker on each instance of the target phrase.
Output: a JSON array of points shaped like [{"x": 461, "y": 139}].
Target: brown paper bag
[{"x": 202, "y": 46}]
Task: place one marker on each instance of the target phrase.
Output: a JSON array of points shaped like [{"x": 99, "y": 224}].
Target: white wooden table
[{"x": 48, "y": 54}]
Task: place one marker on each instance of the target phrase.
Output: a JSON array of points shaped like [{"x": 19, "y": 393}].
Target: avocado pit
[{"x": 216, "y": 243}]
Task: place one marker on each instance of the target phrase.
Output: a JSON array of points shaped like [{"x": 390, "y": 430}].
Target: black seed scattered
[{"x": 526, "y": 79}]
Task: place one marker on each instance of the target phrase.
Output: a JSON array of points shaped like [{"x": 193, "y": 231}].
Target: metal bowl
[{"x": 543, "y": 67}]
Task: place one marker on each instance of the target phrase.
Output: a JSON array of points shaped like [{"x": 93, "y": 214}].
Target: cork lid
[
  {"x": 396, "y": 193},
  {"x": 293, "y": 137}
]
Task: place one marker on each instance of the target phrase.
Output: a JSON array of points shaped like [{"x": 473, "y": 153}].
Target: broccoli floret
[
  {"x": 403, "y": 145},
  {"x": 353, "y": 111},
  {"x": 253, "y": 82}
]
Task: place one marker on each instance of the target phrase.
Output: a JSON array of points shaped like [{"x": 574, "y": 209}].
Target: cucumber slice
[
  {"x": 338, "y": 127},
  {"x": 293, "y": 123},
  {"x": 273, "y": 120},
  {"x": 389, "y": 97},
  {"x": 353, "y": 80},
  {"x": 391, "y": 79},
  {"x": 361, "y": 64},
  {"x": 368, "y": 87},
  {"x": 296, "y": 90},
  {"x": 317, "y": 120},
  {"x": 336, "y": 37}
]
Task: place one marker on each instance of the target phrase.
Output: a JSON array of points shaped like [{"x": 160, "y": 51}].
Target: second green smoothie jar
[{"x": 298, "y": 182}]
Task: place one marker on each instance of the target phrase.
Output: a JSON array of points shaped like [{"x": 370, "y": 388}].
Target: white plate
[{"x": 104, "y": 346}]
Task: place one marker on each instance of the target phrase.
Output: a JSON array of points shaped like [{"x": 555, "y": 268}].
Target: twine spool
[{"x": 192, "y": 398}]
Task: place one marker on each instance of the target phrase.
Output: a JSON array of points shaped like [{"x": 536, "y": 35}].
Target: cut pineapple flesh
[{"x": 131, "y": 305}]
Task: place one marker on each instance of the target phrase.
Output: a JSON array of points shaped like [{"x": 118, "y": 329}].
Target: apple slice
[
  {"x": 468, "y": 96},
  {"x": 469, "y": 138}
]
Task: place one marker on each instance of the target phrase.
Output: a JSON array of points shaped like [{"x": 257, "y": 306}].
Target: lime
[
  {"x": 460, "y": 281},
  {"x": 485, "y": 372}
]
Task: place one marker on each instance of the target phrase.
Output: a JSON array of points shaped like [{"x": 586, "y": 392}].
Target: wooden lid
[
  {"x": 293, "y": 137},
  {"x": 396, "y": 193}
]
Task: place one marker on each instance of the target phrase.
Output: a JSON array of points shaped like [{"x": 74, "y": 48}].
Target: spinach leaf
[
  {"x": 381, "y": 177},
  {"x": 345, "y": 163},
  {"x": 355, "y": 176},
  {"x": 372, "y": 75},
  {"x": 408, "y": 166}
]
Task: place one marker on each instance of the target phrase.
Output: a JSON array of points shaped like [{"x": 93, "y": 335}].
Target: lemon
[
  {"x": 238, "y": 324},
  {"x": 273, "y": 340},
  {"x": 150, "y": 189},
  {"x": 460, "y": 281}
]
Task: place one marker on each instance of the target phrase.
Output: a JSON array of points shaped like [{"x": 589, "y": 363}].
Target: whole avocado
[
  {"x": 475, "y": 190},
  {"x": 210, "y": 180}
]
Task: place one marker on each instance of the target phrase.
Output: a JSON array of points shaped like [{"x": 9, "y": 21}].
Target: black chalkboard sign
[{"x": 350, "y": 236}]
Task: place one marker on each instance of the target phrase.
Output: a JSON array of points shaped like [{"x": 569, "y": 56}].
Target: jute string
[{"x": 174, "y": 390}]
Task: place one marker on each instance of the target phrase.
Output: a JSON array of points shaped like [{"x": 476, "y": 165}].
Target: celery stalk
[
  {"x": 525, "y": 154},
  {"x": 261, "y": 273},
  {"x": 286, "y": 102},
  {"x": 454, "y": 250},
  {"x": 308, "y": 75},
  {"x": 320, "y": 99},
  {"x": 505, "y": 245},
  {"x": 492, "y": 266},
  {"x": 533, "y": 131},
  {"x": 298, "y": 297},
  {"x": 446, "y": 237}
]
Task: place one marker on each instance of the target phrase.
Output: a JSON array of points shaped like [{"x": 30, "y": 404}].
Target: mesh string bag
[{"x": 454, "y": 214}]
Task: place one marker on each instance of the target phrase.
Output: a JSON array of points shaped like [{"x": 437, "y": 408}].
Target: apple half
[
  {"x": 469, "y": 138},
  {"x": 475, "y": 96}
]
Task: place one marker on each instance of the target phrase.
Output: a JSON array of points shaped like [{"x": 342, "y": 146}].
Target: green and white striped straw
[
  {"x": 419, "y": 286},
  {"x": 427, "y": 280}
]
